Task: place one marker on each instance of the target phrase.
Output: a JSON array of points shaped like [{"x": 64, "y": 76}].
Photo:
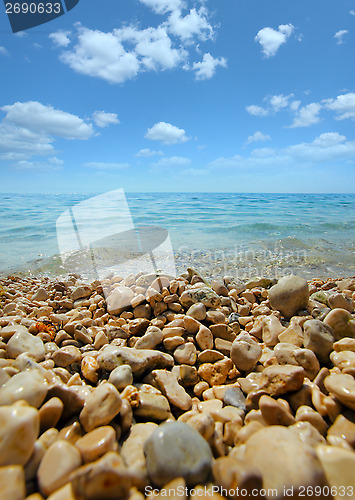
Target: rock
[
  {"x": 152, "y": 406},
  {"x": 59, "y": 461},
  {"x": 215, "y": 373},
  {"x": 245, "y": 352},
  {"x": 289, "y": 295},
  {"x": 204, "y": 338},
  {"x": 339, "y": 466},
  {"x": 12, "y": 483},
  {"x": 308, "y": 360},
  {"x": 345, "y": 344},
  {"x": 173, "y": 391},
  {"x": 140, "y": 360},
  {"x": 197, "y": 311},
  {"x": 341, "y": 322},
  {"x": 307, "y": 433},
  {"x": 8, "y": 331},
  {"x": 343, "y": 359},
  {"x": 19, "y": 429},
  {"x": 81, "y": 292},
  {"x": 343, "y": 428},
  {"x": 338, "y": 300},
  {"x": 96, "y": 443},
  {"x": 342, "y": 386},
  {"x": 275, "y": 413},
  {"x": 186, "y": 354},
  {"x": 283, "y": 460},
  {"x": 132, "y": 450},
  {"x": 278, "y": 380},
  {"x": 105, "y": 479},
  {"x": 234, "y": 396},
  {"x": 229, "y": 472},
  {"x": 203, "y": 423},
  {"x": 40, "y": 295},
  {"x": 319, "y": 338},
  {"x": 307, "y": 414},
  {"x": 90, "y": 369},
  {"x": 203, "y": 294},
  {"x": 121, "y": 377},
  {"x": 223, "y": 331},
  {"x": 103, "y": 404},
  {"x": 22, "y": 342},
  {"x": 72, "y": 399},
  {"x": 150, "y": 339},
  {"x": 65, "y": 356},
  {"x": 119, "y": 299},
  {"x": 50, "y": 413},
  {"x": 177, "y": 450},
  {"x": 271, "y": 329},
  {"x": 29, "y": 385}
]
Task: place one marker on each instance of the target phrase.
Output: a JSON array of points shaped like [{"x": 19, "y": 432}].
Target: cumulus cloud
[
  {"x": 271, "y": 39},
  {"x": 147, "y": 153},
  {"x": 274, "y": 104},
  {"x": 166, "y": 133},
  {"x": 207, "y": 67},
  {"x": 3, "y": 51},
  {"x": 343, "y": 105},
  {"x": 255, "y": 110},
  {"x": 103, "y": 119},
  {"x": 60, "y": 38},
  {"x": 99, "y": 165},
  {"x": 307, "y": 115},
  {"x": 174, "y": 161},
  {"x": 123, "y": 53},
  {"x": 339, "y": 35},
  {"x": 258, "y": 136}
]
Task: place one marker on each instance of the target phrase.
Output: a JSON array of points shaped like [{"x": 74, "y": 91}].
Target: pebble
[
  {"x": 283, "y": 460},
  {"x": 29, "y": 385},
  {"x": 340, "y": 301},
  {"x": 65, "y": 356},
  {"x": 59, "y": 461},
  {"x": 186, "y": 354},
  {"x": 271, "y": 329},
  {"x": 245, "y": 352},
  {"x": 307, "y": 433},
  {"x": 175, "y": 450},
  {"x": 121, "y": 377},
  {"x": 173, "y": 391},
  {"x": 339, "y": 466},
  {"x": 81, "y": 292},
  {"x": 229, "y": 472},
  {"x": 343, "y": 359},
  {"x": 319, "y": 338},
  {"x": 278, "y": 380},
  {"x": 204, "y": 338},
  {"x": 234, "y": 396},
  {"x": 152, "y": 406},
  {"x": 343, "y": 428},
  {"x": 119, "y": 299},
  {"x": 50, "y": 413},
  {"x": 342, "y": 386},
  {"x": 19, "y": 429},
  {"x": 205, "y": 295},
  {"x": 197, "y": 311},
  {"x": 152, "y": 338},
  {"x": 12, "y": 483},
  {"x": 308, "y": 360},
  {"x": 96, "y": 443},
  {"x": 289, "y": 295},
  {"x": 275, "y": 413},
  {"x": 101, "y": 406},
  {"x": 25, "y": 342},
  {"x": 90, "y": 369},
  {"x": 341, "y": 322},
  {"x": 307, "y": 414}
]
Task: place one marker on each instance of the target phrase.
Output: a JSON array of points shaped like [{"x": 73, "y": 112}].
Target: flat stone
[
  {"x": 177, "y": 450},
  {"x": 119, "y": 299},
  {"x": 29, "y": 385},
  {"x": 140, "y": 360},
  {"x": 289, "y": 295},
  {"x": 234, "y": 396},
  {"x": 152, "y": 338},
  {"x": 152, "y": 406},
  {"x": 339, "y": 466},
  {"x": 210, "y": 356},
  {"x": 22, "y": 342},
  {"x": 19, "y": 429},
  {"x": 50, "y": 413},
  {"x": 40, "y": 295},
  {"x": 338, "y": 300},
  {"x": 278, "y": 380},
  {"x": 96, "y": 443},
  {"x": 342, "y": 386},
  {"x": 73, "y": 400},
  {"x": 65, "y": 356},
  {"x": 245, "y": 352},
  {"x": 173, "y": 391},
  {"x": 12, "y": 483},
  {"x": 101, "y": 406},
  {"x": 319, "y": 338},
  {"x": 283, "y": 460},
  {"x": 59, "y": 461},
  {"x": 81, "y": 292}
]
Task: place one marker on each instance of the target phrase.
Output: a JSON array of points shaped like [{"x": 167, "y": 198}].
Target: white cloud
[
  {"x": 147, "y": 153},
  {"x": 258, "y": 136},
  {"x": 257, "y": 110},
  {"x": 103, "y": 119},
  {"x": 352, "y": 12},
  {"x": 279, "y": 102},
  {"x": 343, "y": 105},
  {"x": 207, "y": 67},
  {"x": 164, "y": 6},
  {"x": 339, "y": 35},
  {"x": 41, "y": 119},
  {"x": 307, "y": 115},
  {"x": 193, "y": 24},
  {"x": 271, "y": 40},
  {"x": 166, "y": 133},
  {"x": 174, "y": 161},
  {"x": 60, "y": 38},
  {"x": 3, "y": 51},
  {"x": 51, "y": 165},
  {"x": 98, "y": 165}
]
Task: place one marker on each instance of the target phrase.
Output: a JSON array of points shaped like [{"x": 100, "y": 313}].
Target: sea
[{"x": 217, "y": 234}]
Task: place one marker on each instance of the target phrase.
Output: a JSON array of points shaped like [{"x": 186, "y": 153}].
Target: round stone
[
  {"x": 319, "y": 338},
  {"x": 25, "y": 342},
  {"x": 289, "y": 295},
  {"x": 29, "y": 385},
  {"x": 174, "y": 450}
]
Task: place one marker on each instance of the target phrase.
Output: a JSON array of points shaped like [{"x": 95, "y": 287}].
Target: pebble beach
[{"x": 127, "y": 388}]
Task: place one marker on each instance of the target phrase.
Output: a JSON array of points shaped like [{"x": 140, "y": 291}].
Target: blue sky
[{"x": 181, "y": 95}]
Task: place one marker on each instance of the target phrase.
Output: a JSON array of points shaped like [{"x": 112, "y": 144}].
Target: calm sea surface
[{"x": 239, "y": 234}]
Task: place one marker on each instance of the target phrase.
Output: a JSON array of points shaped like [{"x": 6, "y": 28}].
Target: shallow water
[{"x": 238, "y": 234}]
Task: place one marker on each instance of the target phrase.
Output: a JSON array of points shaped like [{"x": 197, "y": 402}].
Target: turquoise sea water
[{"x": 239, "y": 234}]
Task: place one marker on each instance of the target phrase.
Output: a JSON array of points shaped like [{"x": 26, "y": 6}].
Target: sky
[{"x": 181, "y": 95}]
